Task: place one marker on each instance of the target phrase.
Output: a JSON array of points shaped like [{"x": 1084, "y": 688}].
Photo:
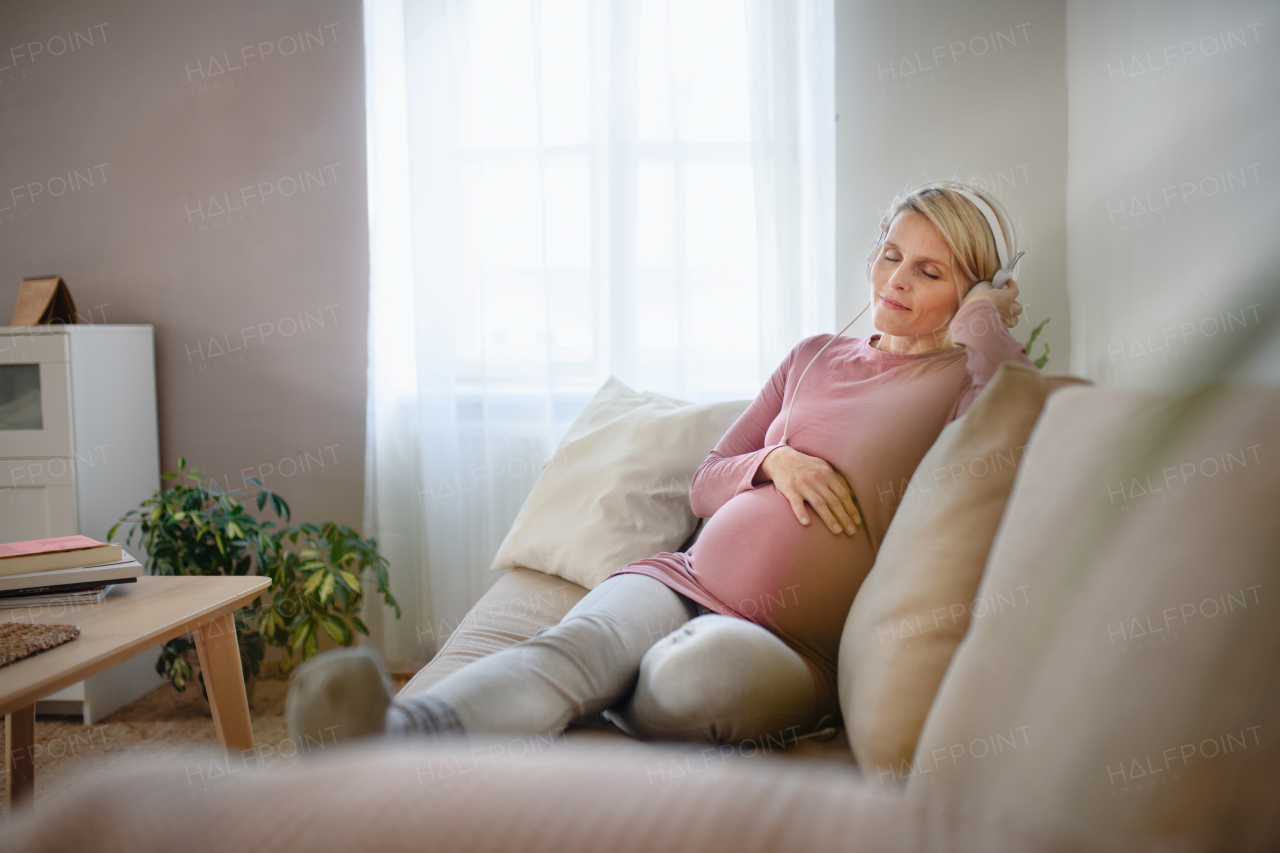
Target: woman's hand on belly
[{"x": 800, "y": 478}]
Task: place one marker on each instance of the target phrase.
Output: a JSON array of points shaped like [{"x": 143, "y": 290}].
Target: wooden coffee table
[{"x": 133, "y": 618}]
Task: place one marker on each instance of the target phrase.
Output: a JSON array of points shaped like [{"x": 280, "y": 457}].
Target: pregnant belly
[{"x": 798, "y": 581}]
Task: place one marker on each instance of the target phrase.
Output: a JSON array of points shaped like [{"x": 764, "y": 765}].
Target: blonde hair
[{"x": 963, "y": 227}]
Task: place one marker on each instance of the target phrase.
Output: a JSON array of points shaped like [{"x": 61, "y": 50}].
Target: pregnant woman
[{"x": 737, "y": 638}]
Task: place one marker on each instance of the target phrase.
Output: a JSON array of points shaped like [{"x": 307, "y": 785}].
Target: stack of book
[{"x": 63, "y": 571}]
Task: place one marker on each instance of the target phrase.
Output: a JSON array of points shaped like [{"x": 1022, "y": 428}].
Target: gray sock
[{"x": 422, "y": 713}]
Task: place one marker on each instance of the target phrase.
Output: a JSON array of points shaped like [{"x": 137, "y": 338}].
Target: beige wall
[
  {"x": 120, "y": 146},
  {"x": 974, "y": 90},
  {"x": 1175, "y": 137}
]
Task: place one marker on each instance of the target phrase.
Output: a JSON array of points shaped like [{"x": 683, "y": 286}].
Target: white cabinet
[{"x": 79, "y": 447}]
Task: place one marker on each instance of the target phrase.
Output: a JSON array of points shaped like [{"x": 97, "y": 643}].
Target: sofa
[{"x": 1069, "y": 641}]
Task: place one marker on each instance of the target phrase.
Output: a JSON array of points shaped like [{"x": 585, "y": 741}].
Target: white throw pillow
[{"x": 617, "y": 488}]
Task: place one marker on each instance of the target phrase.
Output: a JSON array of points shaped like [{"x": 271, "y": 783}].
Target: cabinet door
[
  {"x": 37, "y": 499},
  {"x": 35, "y": 410}
]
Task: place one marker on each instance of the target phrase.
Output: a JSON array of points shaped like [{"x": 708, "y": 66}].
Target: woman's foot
[{"x": 339, "y": 695}]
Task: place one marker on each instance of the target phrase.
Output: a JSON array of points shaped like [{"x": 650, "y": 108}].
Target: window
[{"x": 607, "y": 201}]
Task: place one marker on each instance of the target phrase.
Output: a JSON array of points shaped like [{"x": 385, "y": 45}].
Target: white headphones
[{"x": 1000, "y": 279}]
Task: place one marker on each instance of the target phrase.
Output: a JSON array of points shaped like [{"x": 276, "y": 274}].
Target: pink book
[
  {"x": 63, "y": 552},
  {"x": 46, "y": 546}
]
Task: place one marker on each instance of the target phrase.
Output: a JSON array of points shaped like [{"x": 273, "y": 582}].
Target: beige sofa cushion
[
  {"x": 617, "y": 488},
  {"x": 916, "y": 603},
  {"x": 1137, "y": 690},
  {"x": 513, "y": 609}
]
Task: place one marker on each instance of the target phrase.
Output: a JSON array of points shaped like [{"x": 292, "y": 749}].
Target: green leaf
[
  {"x": 313, "y": 583},
  {"x": 302, "y": 633},
  {"x": 326, "y": 588},
  {"x": 335, "y": 628},
  {"x": 281, "y": 508},
  {"x": 1035, "y": 333}
]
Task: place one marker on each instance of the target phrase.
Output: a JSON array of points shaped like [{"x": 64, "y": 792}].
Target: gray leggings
[{"x": 634, "y": 643}]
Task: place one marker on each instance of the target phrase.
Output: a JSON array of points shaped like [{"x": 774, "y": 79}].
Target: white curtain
[{"x": 561, "y": 190}]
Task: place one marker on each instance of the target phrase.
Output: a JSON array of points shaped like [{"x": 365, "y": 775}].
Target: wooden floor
[{"x": 402, "y": 671}]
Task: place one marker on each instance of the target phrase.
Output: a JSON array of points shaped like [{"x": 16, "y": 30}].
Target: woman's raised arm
[
  {"x": 978, "y": 328},
  {"x": 735, "y": 461}
]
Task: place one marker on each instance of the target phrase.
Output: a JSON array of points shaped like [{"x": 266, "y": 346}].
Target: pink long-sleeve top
[{"x": 872, "y": 416}]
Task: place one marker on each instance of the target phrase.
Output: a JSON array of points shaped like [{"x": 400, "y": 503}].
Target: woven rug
[{"x": 18, "y": 641}]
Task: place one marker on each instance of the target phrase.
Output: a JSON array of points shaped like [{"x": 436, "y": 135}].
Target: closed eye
[{"x": 894, "y": 260}]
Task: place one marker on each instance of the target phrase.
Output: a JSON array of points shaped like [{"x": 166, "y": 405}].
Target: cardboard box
[{"x": 43, "y": 301}]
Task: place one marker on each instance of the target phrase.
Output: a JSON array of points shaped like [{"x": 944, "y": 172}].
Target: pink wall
[{"x": 201, "y": 167}]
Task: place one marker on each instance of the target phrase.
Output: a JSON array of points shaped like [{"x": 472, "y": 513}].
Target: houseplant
[
  {"x": 195, "y": 527},
  {"x": 1044, "y": 357}
]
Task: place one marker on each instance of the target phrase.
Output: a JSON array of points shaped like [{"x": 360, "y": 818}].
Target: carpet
[
  {"x": 162, "y": 724},
  {"x": 18, "y": 641}
]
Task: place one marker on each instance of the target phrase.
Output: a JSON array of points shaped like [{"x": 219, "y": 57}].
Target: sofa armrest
[
  {"x": 513, "y": 793},
  {"x": 513, "y": 610}
]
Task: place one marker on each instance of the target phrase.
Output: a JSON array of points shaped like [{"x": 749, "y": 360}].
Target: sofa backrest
[
  {"x": 1137, "y": 690},
  {"x": 917, "y": 602}
]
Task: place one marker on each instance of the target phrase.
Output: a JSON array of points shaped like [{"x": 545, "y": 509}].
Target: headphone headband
[{"x": 993, "y": 222}]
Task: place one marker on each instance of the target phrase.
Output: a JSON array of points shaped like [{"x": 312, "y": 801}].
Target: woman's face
[{"x": 912, "y": 279}]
